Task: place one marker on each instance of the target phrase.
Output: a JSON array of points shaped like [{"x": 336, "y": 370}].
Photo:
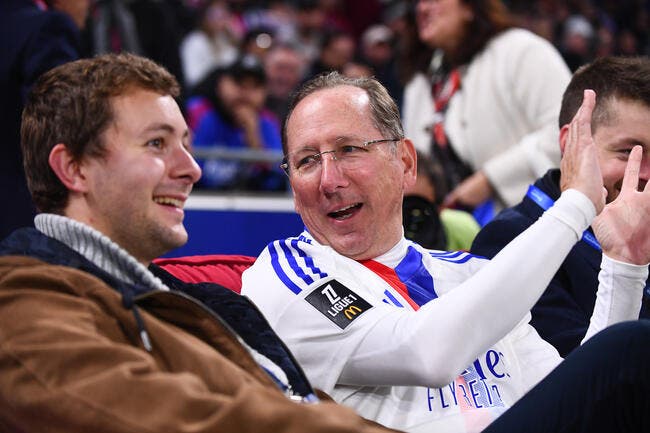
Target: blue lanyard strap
[{"x": 542, "y": 200}]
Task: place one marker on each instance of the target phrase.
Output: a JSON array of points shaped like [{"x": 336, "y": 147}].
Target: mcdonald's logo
[
  {"x": 338, "y": 303},
  {"x": 351, "y": 311}
]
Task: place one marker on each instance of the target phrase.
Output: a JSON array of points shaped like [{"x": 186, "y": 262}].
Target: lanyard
[
  {"x": 442, "y": 93},
  {"x": 542, "y": 200}
]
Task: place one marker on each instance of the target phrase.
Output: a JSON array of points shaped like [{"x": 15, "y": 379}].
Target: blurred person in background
[
  {"x": 77, "y": 10},
  {"x": 257, "y": 42},
  {"x": 609, "y": 19},
  {"x": 285, "y": 69},
  {"x": 36, "y": 36},
  {"x": 213, "y": 44},
  {"x": 577, "y": 41},
  {"x": 412, "y": 55},
  {"x": 279, "y": 16},
  {"x": 423, "y": 220},
  {"x": 310, "y": 25},
  {"x": 627, "y": 43},
  {"x": 605, "y": 45},
  {"x": 227, "y": 110},
  {"x": 357, "y": 69},
  {"x": 337, "y": 14},
  {"x": 487, "y": 109},
  {"x": 377, "y": 51},
  {"x": 336, "y": 50},
  {"x": 150, "y": 28}
]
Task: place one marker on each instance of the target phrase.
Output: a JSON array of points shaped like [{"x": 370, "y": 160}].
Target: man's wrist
[{"x": 575, "y": 210}]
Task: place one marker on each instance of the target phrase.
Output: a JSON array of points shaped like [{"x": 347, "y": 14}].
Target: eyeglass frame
[{"x": 319, "y": 155}]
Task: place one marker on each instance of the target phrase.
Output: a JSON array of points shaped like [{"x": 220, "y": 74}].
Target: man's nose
[
  {"x": 332, "y": 175},
  {"x": 185, "y": 165}
]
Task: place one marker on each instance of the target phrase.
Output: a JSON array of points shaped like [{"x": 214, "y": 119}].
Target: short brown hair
[
  {"x": 611, "y": 78},
  {"x": 71, "y": 104},
  {"x": 384, "y": 111}
]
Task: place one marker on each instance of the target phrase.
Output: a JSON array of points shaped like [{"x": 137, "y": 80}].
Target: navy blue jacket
[
  {"x": 237, "y": 311},
  {"x": 32, "y": 41},
  {"x": 562, "y": 314}
]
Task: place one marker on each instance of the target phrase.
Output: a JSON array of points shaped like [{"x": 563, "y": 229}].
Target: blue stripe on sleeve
[
  {"x": 446, "y": 254},
  {"x": 393, "y": 299},
  {"x": 275, "y": 263},
  {"x": 294, "y": 264},
  {"x": 308, "y": 260},
  {"x": 463, "y": 259}
]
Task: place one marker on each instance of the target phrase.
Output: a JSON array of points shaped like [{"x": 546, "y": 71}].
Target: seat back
[{"x": 224, "y": 269}]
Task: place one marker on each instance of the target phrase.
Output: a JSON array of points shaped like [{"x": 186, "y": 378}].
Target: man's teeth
[
  {"x": 346, "y": 208},
  {"x": 168, "y": 201},
  {"x": 344, "y": 212}
]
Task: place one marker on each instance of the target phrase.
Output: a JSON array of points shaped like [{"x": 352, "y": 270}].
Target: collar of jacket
[{"x": 31, "y": 242}]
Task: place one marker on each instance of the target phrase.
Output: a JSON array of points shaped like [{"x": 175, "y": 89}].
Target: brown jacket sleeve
[{"x": 69, "y": 362}]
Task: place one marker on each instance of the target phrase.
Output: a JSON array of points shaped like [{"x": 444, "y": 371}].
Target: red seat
[{"x": 224, "y": 269}]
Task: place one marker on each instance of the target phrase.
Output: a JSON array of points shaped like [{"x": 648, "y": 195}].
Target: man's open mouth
[
  {"x": 346, "y": 212},
  {"x": 169, "y": 201}
]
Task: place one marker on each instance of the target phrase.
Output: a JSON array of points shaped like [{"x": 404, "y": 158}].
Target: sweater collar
[{"x": 98, "y": 249}]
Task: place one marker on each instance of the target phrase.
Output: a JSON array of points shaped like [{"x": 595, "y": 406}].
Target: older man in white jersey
[{"x": 416, "y": 339}]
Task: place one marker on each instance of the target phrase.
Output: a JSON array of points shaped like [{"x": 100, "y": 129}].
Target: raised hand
[
  {"x": 623, "y": 228},
  {"x": 579, "y": 166}
]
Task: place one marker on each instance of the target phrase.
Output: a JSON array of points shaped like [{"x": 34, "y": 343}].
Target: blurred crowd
[
  {"x": 192, "y": 36},
  {"x": 240, "y": 60},
  {"x": 586, "y": 29},
  {"x": 284, "y": 42}
]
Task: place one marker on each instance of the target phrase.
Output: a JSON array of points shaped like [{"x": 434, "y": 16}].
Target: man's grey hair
[{"x": 384, "y": 111}]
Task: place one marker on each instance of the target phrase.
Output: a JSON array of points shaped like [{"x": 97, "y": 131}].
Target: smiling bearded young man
[
  {"x": 425, "y": 340},
  {"x": 93, "y": 337}
]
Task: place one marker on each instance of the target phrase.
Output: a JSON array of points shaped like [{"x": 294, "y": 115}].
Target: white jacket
[
  {"x": 446, "y": 346},
  {"x": 503, "y": 119}
]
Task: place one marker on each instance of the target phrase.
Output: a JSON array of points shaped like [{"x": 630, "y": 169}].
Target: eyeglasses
[{"x": 350, "y": 153}]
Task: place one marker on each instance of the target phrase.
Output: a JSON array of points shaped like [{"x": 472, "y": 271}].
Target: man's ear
[
  {"x": 564, "y": 134},
  {"x": 410, "y": 160},
  {"x": 67, "y": 168}
]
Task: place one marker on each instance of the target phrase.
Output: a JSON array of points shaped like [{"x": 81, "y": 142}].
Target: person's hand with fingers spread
[
  {"x": 622, "y": 228},
  {"x": 579, "y": 166}
]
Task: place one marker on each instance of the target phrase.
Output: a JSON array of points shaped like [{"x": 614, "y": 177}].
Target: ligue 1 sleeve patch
[{"x": 338, "y": 303}]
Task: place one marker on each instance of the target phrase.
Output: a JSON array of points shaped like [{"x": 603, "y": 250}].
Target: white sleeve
[
  {"x": 619, "y": 296},
  {"x": 447, "y": 334}
]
